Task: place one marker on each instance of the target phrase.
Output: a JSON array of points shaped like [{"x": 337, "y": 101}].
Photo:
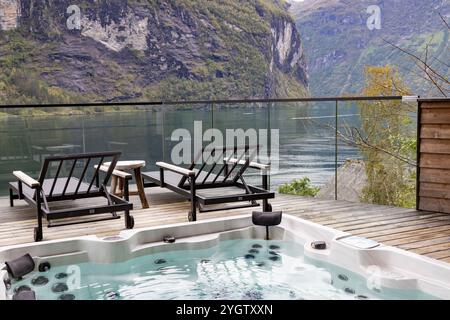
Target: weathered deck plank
[{"x": 420, "y": 232}]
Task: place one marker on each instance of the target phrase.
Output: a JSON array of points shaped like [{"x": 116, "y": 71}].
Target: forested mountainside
[
  {"x": 109, "y": 50},
  {"x": 338, "y": 43}
]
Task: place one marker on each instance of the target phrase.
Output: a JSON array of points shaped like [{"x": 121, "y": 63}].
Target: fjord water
[
  {"x": 306, "y": 136},
  {"x": 244, "y": 269}
]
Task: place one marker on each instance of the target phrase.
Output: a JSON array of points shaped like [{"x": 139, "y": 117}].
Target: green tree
[{"x": 387, "y": 140}]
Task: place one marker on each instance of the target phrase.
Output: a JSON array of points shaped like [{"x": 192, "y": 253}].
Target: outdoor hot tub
[{"x": 225, "y": 258}]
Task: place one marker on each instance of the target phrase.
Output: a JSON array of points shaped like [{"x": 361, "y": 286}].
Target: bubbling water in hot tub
[{"x": 238, "y": 269}]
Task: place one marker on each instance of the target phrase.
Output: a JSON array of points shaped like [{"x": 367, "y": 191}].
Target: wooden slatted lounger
[
  {"x": 219, "y": 179},
  {"x": 45, "y": 190}
]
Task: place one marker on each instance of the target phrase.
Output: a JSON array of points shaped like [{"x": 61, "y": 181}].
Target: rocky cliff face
[
  {"x": 287, "y": 51},
  {"x": 183, "y": 49}
]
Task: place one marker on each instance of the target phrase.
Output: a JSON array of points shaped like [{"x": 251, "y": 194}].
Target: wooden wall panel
[
  {"x": 434, "y": 176},
  {"x": 435, "y": 146},
  {"x": 434, "y": 190},
  {"x": 435, "y": 131},
  {"x": 434, "y": 204},
  {"x": 436, "y": 104},
  {"x": 434, "y": 156},
  {"x": 435, "y": 161},
  {"x": 435, "y": 116}
]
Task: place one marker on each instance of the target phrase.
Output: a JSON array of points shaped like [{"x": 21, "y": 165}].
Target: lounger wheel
[
  {"x": 130, "y": 222},
  {"x": 37, "y": 234}
]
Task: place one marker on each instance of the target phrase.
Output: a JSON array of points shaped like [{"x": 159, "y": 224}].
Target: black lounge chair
[
  {"x": 219, "y": 179},
  {"x": 80, "y": 183}
]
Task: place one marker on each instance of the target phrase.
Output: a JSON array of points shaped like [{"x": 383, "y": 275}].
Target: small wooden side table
[{"x": 116, "y": 182}]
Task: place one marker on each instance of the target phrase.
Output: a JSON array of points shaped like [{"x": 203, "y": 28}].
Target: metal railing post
[
  {"x": 83, "y": 134},
  {"x": 418, "y": 138},
  {"x": 336, "y": 151},
  {"x": 163, "y": 132},
  {"x": 212, "y": 115},
  {"x": 269, "y": 142}
]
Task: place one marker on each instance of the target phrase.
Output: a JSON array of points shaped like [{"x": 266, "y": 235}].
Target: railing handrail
[{"x": 194, "y": 102}]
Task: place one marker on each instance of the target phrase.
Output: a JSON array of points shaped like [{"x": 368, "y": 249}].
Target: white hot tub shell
[{"x": 388, "y": 266}]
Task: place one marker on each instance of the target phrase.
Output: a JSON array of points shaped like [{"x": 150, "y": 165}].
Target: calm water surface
[{"x": 306, "y": 138}]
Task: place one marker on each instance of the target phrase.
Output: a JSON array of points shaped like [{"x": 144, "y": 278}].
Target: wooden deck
[{"x": 420, "y": 232}]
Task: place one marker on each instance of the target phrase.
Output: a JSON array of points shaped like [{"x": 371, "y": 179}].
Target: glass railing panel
[
  {"x": 183, "y": 126},
  {"x": 27, "y": 140},
  {"x": 299, "y": 138},
  {"x": 306, "y": 146},
  {"x": 137, "y": 134},
  {"x": 247, "y": 123},
  {"x": 377, "y": 152}
]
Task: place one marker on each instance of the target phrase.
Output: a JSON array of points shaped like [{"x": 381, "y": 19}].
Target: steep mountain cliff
[
  {"x": 338, "y": 42},
  {"x": 66, "y": 50}
]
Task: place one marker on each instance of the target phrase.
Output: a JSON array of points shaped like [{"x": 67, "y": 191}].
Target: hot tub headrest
[
  {"x": 25, "y": 295},
  {"x": 267, "y": 219},
  {"x": 21, "y": 266}
]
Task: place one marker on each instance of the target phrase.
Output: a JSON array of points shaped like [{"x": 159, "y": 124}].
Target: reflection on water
[{"x": 306, "y": 138}]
